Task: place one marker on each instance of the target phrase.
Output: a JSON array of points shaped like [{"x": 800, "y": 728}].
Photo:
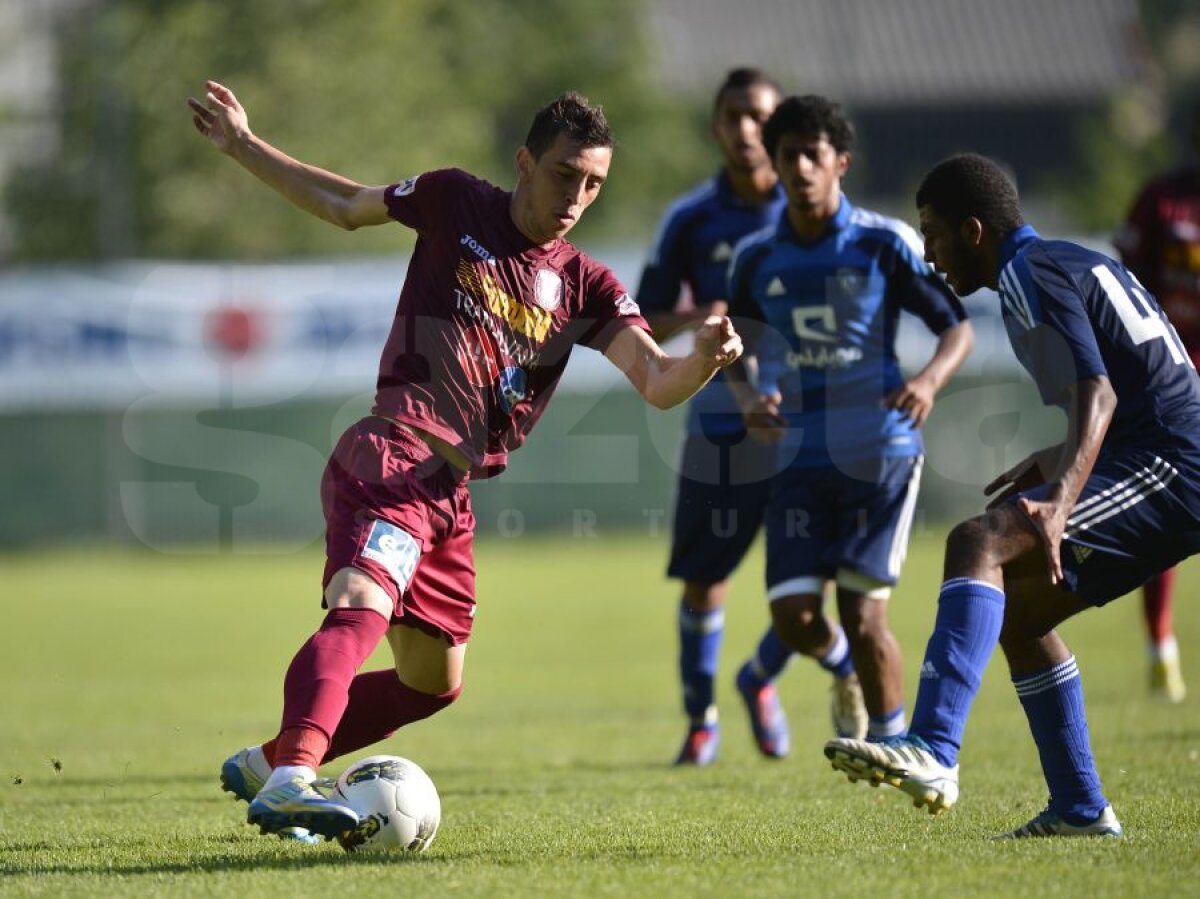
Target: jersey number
[
  {"x": 802, "y": 315},
  {"x": 1139, "y": 320}
]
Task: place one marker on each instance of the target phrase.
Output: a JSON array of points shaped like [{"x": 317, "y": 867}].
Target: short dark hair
[
  {"x": 570, "y": 114},
  {"x": 744, "y": 77},
  {"x": 810, "y": 115},
  {"x": 969, "y": 185}
]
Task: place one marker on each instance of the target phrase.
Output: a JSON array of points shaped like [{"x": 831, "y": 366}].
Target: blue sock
[
  {"x": 837, "y": 660},
  {"x": 969, "y": 616},
  {"x": 769, "y": 659},
  {"x": 893, "y": 724},
  {"x": 1053, "y": 703},
  {"x": 700, "y": 636}
]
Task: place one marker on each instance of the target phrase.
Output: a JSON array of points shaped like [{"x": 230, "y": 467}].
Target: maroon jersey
[
  {"x": 1160, "y": 243},
  {"x": 486, "y": 319}
]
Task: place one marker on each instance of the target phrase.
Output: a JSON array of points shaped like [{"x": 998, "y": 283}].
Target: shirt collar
[
  {"x": 840, "y": 220},
  {"x": 1015, "y": 242}
]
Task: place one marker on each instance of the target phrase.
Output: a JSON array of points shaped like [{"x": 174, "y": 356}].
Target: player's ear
[
  {"x": 971, "y": 230},
  {"x": 525, "y": 163},
  {"x": 843, "y": 163}
]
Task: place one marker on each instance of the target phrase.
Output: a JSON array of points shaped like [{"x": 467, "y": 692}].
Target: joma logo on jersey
[
  {"x": 477, "y": 248},
  {"x": 528, "y": 320}
]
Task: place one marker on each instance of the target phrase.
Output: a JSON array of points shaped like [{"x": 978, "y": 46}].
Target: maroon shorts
[{"x": 402, "y": 514}]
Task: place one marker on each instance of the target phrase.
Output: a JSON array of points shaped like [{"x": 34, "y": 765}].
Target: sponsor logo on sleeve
[
  {"x": 722, "y": 252},
  {"x": 394, "y": 549},
  {"x": 627, "y": 306},
  {"x": 405, "y": 187}
]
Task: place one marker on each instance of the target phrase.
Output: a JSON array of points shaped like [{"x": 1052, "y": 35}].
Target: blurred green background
[{"x": 100, "y": 166}]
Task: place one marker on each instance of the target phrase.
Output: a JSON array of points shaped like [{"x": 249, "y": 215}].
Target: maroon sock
[
  {"x": 317, "y": 684},
  {"x": 379, "y": 705},
  {"x": 1156, "y": 603}
]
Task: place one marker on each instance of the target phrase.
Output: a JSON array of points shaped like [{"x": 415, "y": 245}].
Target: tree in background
[
  {"x": 1143, "y": 129},
  {"x": 376, "y": 89}
]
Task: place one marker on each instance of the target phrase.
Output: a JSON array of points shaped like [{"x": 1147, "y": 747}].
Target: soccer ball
[{"x": 396, "y": 800}]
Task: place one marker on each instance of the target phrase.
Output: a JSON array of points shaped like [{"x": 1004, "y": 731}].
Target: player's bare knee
[
  {"x": 969, "y": 544},
  {"x": 702, "y": 597},
  {"x": 799, "y": 621}
]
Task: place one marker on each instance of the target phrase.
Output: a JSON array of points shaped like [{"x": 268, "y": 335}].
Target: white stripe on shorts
[
  {"x": 1120, "y": 496},
  {"x": 904, "y": 526}
]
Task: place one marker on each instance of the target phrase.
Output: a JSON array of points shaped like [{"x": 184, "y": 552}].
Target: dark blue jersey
[
  {"x": 1073, "y": 313},
  {"x": 693, "y": 247},
  {"x": 831, "y": 307}
]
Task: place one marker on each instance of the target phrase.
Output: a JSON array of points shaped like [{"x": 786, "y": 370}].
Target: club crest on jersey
[
  {"x": 850, "y": 281},
  {"x": 394, "y": 549},
  {"x": 405, "y": 187},
  {"x": 477, "y": 356},
  {"x": 513, "y": 388},
  {"x": 627, "y": 306},
  {"x": 547, "y": 289}
]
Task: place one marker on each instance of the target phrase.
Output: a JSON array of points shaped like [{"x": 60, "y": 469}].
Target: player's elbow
[{"x": 660, "y": 399}]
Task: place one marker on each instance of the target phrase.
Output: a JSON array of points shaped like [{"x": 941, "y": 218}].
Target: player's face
[
  {"x": 738, "y": 122},
  {"x": 951, "y": 253},
  {"x": 810, "y": 169},
  {"x": 558, "y": 186}
]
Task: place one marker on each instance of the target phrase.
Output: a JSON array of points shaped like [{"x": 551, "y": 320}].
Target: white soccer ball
[{"x": 396, "y": 800}]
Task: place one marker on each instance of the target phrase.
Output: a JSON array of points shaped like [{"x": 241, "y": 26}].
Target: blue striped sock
[
  {"x": 969, "y": 616},
  {"x": 837, "y": 660},
  {"x": 1053, "y": 703},
  {"x": 700, "y": 636},
  {"x": 770, "y": 658},
  {"x": 893, "y": 724}
]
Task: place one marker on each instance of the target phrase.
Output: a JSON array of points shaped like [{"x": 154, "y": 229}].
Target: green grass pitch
[{"x": 126, "y": 678}]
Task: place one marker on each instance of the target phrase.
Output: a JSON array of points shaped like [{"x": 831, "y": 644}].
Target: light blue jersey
[{"x": 831, "y": 307}]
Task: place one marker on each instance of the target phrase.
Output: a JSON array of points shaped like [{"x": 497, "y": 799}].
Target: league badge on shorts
[
  {"x": 513, "y": 387},
  {"x": 394, "y": 549}
]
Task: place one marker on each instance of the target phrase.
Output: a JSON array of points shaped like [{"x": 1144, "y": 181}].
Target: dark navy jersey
[
  {"x": 831, "y": 307},
  {"x": 1072, "y": 313},
  {"x": 693, "y": 248}
]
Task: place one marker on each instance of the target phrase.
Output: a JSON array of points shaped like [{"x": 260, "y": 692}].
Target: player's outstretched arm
[
  {"x": 915, "y": 397},
  {"x": 328, "y": 196},
  {"x": 665, "y": 380}
]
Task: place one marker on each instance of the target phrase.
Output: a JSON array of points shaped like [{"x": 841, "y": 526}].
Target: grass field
[{"x": 127, "y": 677}]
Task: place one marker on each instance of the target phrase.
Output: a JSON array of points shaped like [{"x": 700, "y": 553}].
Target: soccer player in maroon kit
[
  {"x": 1160, "y": 243},
  {"x": 492, "y": 304}
]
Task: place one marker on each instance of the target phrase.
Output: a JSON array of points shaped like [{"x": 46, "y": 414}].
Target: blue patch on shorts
[{"x": 394, "y": 549}]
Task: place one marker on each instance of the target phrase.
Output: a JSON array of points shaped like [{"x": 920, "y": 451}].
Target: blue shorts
[
  {"x": 1137, "y": 515},
  {"x": 822, "y": 521},
  {"x": 720, "y": 500}
]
